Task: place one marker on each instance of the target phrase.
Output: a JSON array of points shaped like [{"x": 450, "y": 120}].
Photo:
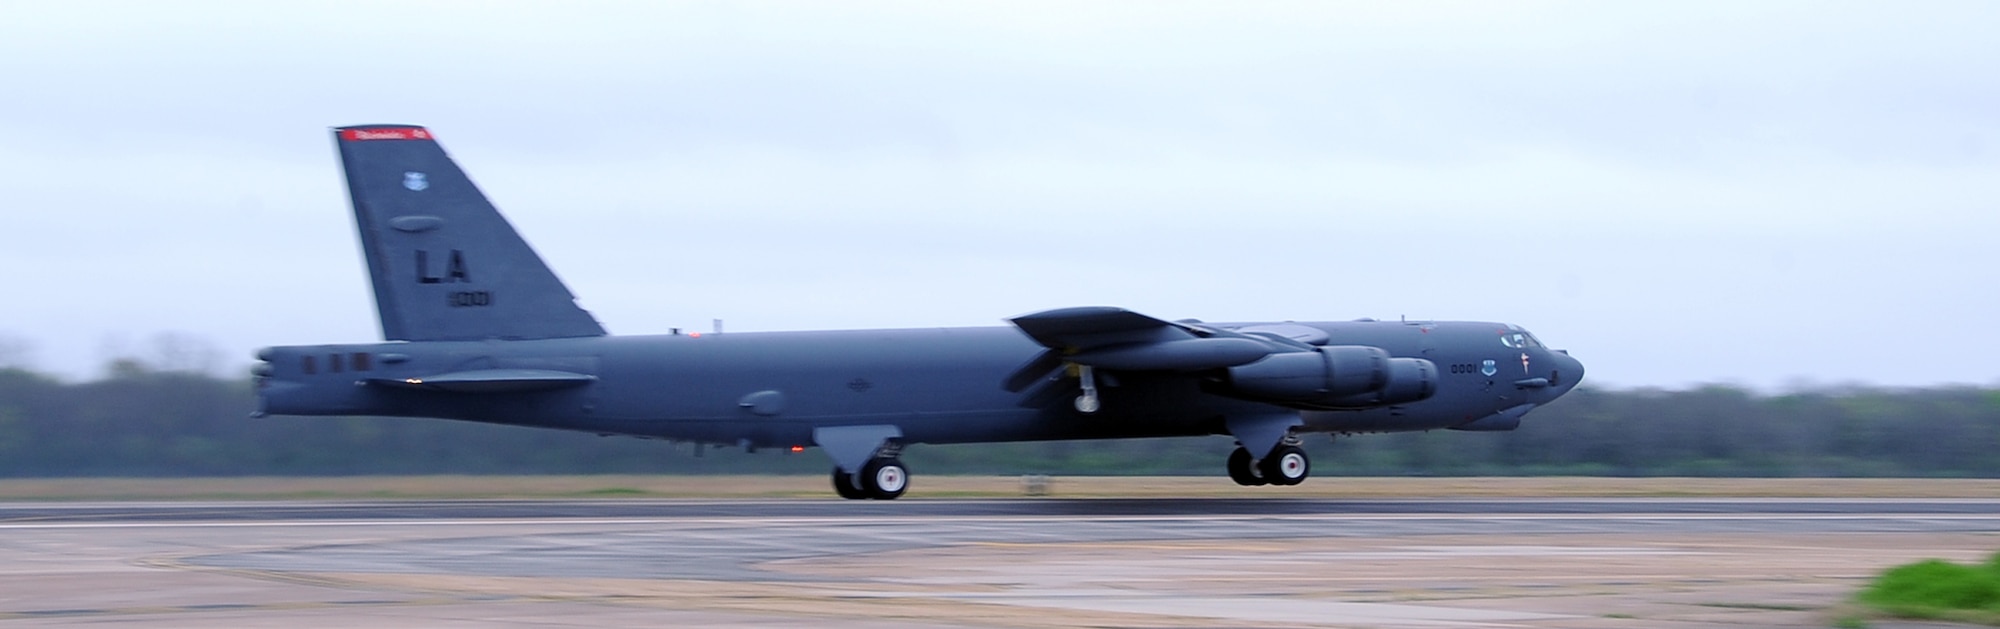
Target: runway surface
[
  {"x": 1101, "y": 507},
  {"x": 1024, "y": 562}
]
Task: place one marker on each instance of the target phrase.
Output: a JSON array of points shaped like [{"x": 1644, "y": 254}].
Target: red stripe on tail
[{"x": 386, "y": 133}]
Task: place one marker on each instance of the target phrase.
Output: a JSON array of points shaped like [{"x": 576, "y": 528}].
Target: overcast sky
[{"x": 1768, "y": 194}]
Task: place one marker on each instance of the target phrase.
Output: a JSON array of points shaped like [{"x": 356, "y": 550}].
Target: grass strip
[{"x": 1934, "y": 589}]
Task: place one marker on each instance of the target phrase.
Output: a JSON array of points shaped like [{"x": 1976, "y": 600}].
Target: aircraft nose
[{"x": 1569, "y": 371}]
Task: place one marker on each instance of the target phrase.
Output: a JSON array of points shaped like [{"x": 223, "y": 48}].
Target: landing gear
[
  {"x": 843, "y": 484},
  {"x": 880, "y": 479},
  {"x": 885, "y": 479},
  {"x": 1243, "y": 469},
  {"x": 1088, "y": 402},
  {"x": 1287, "y": 465}
]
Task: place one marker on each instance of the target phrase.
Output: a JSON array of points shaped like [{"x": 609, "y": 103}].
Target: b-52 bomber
[{"x": 478, "y": 328}]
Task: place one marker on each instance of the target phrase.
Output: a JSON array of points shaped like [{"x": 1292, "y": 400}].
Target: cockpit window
[{"x": 1519, "y": 339}]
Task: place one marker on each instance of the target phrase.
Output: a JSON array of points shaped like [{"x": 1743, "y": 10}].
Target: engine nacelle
[
  {"x": 1410, "y": 380},
  {"x": 1330, "y": 373},
  {"x": 1344, "y": 376}
]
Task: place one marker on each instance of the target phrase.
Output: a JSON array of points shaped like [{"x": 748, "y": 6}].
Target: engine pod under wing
[{"x": 1347, "y": 376}]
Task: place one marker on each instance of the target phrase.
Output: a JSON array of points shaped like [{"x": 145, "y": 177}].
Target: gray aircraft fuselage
[
  {"x": 941, "y": 385},
  {"x": 483, "y": 331}
]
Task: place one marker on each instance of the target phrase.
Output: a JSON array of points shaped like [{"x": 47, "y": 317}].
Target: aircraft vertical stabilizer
[{"x": 445, "y": 264}]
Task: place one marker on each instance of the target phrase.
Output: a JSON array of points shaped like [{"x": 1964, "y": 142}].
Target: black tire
[
  {"x": 885, "y": 479},
  {"x": 1243, "y": 470},
  {"x": 843, "y": 484},
  {"x": 1287, "y": 465}
]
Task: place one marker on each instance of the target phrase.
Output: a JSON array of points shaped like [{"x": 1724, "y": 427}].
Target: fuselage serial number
[{"x": 470, "y": 298}]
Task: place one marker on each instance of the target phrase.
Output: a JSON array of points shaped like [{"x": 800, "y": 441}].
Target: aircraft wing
[
  {"x": 1116, "y": 338},
  {"x": 1088, "y": 326}
]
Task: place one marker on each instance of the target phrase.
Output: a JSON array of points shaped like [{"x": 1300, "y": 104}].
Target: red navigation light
[{"x": 798, "y": 448}]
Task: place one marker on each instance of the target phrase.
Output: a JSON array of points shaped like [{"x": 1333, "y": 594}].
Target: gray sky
[{"x": 1768, "y": 194}]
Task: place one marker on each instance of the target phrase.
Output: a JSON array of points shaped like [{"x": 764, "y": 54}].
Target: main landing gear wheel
[
  {"x": 1243, "y": 469},
  {"x": 1287, "y": 465},
  {"x": 885, "y": 479},
  {"x": 843, "y": 484}
]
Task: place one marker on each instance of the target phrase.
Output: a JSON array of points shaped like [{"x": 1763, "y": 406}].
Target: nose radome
[{"x": 1570, "y": 370}]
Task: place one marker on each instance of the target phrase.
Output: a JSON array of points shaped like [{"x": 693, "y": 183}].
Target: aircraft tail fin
[{"x": 446, "y": 266}]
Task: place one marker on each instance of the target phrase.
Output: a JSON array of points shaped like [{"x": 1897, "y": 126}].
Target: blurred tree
[{"x": 16, "y": 352}]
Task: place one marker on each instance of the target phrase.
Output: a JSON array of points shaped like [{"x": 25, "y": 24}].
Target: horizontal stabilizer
[{"x": 492, "y": 381}]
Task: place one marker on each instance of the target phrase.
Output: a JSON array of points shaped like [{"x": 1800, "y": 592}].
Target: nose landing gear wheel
[
  {"x": 1243, "y": 469},
  {"x": 885, "y": 479},
  {"x": 1287, "y": 465}
]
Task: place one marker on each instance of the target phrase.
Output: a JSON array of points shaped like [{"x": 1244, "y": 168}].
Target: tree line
[{"x": 145, "y": 421}]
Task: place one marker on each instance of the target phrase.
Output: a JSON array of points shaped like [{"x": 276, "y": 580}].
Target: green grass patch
[{"x": 1935, "y": 589}]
